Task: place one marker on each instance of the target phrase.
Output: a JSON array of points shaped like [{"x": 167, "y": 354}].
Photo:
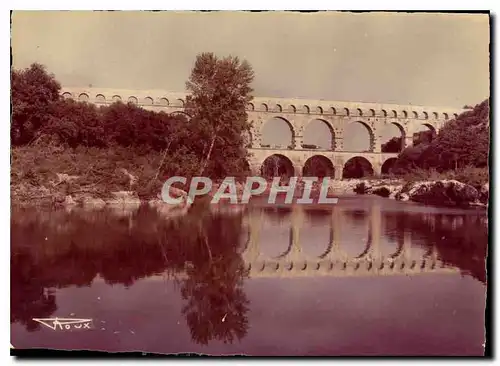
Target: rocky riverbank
[{"x": 437, "y": 193}]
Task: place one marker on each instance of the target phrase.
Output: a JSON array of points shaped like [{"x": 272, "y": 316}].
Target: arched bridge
[{"x": 298, "y": 115}]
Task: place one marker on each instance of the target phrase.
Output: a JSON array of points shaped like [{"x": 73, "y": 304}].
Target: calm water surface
[{"x": 369, "y": 276}]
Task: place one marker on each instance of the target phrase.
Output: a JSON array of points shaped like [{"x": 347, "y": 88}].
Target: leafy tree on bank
[
  {"x": 220, "y": 90},
  {"x": 462, "y": 142},
  {"x": 33, "y": 91},
  {"x": 76, "y": 124},
  {"x": 393, "y": 145}
]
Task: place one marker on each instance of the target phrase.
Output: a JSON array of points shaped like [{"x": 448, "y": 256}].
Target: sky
[{"x": 402, "y": 58}]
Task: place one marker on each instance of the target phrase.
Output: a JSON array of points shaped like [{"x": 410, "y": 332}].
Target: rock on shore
[{"x": 441, "y": 192}]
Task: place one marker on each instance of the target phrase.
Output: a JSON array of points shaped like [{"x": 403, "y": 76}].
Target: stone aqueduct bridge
[{"x": 298, "y": 113}]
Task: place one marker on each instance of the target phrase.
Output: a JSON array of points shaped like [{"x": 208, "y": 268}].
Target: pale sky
[{"x": 403, "y": 58}]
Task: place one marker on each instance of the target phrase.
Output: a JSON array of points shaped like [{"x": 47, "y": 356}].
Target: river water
[{"x": 368, "y": 276}]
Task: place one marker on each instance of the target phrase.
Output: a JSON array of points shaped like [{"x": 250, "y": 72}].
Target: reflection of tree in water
[
  {"x": 82, "y": 245},
  {"x": 28, "y": 295},
  {"x": 461, "y": 240},
  {"x": 216, "y": 304}
]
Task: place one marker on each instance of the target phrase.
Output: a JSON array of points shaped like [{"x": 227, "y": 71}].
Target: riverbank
[
  {"x": 97, "y": 178},
  {"x": 450, "y": 193}
]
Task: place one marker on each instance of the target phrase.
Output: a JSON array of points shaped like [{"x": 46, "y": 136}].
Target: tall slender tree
[{"x": 219, "y": 92}]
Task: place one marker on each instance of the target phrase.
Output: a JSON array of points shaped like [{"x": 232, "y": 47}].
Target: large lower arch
[
  {"x": 357, "y": 167},
  {"x": 388, "y": 165},
  {"x": 318, "y": 134},
  {"x": 277, "y": 165},
  {"x": 358, "y": 137},
  {"x": 393, "y": 138},
  {"x": 318, "y": 166},
  {"x": 277, "y": 133}
]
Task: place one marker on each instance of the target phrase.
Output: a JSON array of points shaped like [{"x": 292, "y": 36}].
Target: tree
[
  {"x": 33, "y": 91},
  {"x": 461, "y": 142},
  {"x": 220, "y": 90},
  {"x": 76, "y": 123},
  {"x": 393, "y": 145}
]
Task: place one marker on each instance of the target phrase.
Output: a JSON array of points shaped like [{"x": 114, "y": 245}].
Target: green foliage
[
  {"x": 461, "y": 144},
  {"x": 76, "y": 123},
  {"x": 393, "y": 145},
  {"x": 220, "y": 90},
  {"x": 33, "y": 91}
]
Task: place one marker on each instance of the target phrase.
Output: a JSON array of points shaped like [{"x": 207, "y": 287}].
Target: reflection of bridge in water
[{"x": 335, "y": 261}]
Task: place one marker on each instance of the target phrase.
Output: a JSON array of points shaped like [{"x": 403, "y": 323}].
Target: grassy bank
[{"x": 48, "y": 174}]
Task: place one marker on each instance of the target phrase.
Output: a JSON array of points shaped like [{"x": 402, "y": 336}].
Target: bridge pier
[{"x": 338, "y": 172}]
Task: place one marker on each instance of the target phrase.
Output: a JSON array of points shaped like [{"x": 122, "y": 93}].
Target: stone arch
[
  {"x": 405, "y": 114},
  {"x": 273, "y": 136},
  {"x": 455, "y": 115},
  {"x": 393, "y": 141},
  {"x": 435, "y": 114},
  {"x": 132, "y": 100},
  {"x": 100, "y": 98},
  {"x": 431, "y": 127},
  {"x": 346, "y": 112},
  {"x": 318, "y": 133},
  {"x": 424, "y": 133},
  {"x": 384, "y": 113},
  {"x": 264, "y": 107},
  {"x": 164, "y": 101},
  {"x": 116, "y": 98},
  {"x": 250, "y": 107},
  {"x": 415, "y": 115},
  {"x": 306, "y": 109},
  {"x": 426, "y": 115},
  {"x": 372, "y": 112},
  {"x": 277, "y": 165},
  {"x": 318, "y": 166},
  {"x": 83, "y": 97},
  {"x": 445, "y": 115},
  {"x": 292, "y": 109},
  {"x": 351, "y": 140},
  {"x": 180, "y": 103},
  {"x": 357, "y": 167},
  {"x": 67, "y": 95},
  {"x": 333, "y": 111},
  {"x": 388, "y": 165},
  {"x": 279, "y": 108},
  {"x": 394, "y": 114},
  {"x": 360, "y": 112},
  {"x": 148, "y": 101},
  {"x": 319, "y": 110},
  {"x": 180, "y": 113}
]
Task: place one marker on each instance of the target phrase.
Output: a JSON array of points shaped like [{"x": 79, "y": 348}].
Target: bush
[
  {"x": 460, "y": 143},
  {"x": 360, "y": 188},
  {"x": 382, "y": 192}
]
